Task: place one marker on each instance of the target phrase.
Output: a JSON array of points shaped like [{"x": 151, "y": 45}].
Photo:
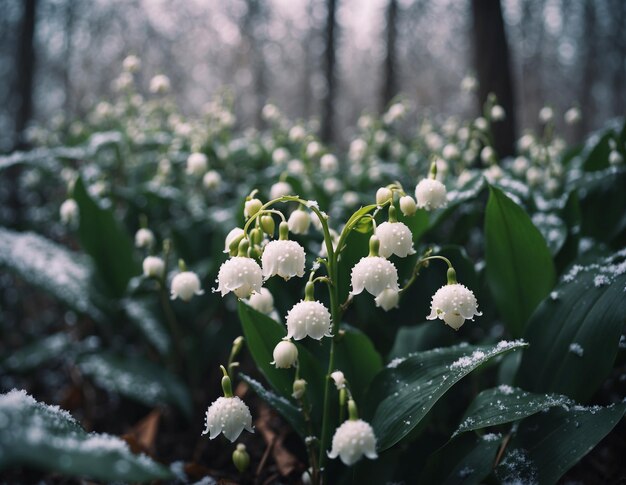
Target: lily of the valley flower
[
  {"x": 153, "y": 267},
  {"x": 283, "y": 258},
  {"x": 352, "y": 440},
  {"x": 395, "y": 238},
  {"x": 285, "y": 354},
  {"x": 185, "y": 285},
  {"x": 228, "y": 415},
  {"x": 430, "y": 194},
  {"x": 308, "y": 319},
  {"x": 241, "y": 275},
  {"x": 454, "y": 303}
]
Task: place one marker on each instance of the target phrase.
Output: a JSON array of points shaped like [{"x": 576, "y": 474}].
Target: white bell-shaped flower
[
  {"x": 299, "y": 222},
  {"x": 383, "y": 194},
  {"x": 69, "y": 212},
  {"x": 454, "y": 303},
  {"x": 283, "y": 258},
  {"x": 262, "y": 301},
  {"x": 212, "y": 180},
  {"x": 185, "y": 285},
  {"x": 153, "y": 267},
  {"x": 430, "y": 194},
  {"x": 240, "y": 275},
  {"x": 285, "y": 354},
  {"x": 235, "y": 233},
  {"x": 144, "y": 238},
  {"x": 280, "y": 189},
  {"x": 388, "y": 299},
  {"x": 339, "y": 379},
  {"x": 352, "y": 440},
  {"x": 308, "y": 319},
  {"x": 251, "y": 207},
  {"x": 375, "y": 275},
  {"x": 228, "y": 415},
  {"x": 197, "y": 164},
  {"x": 395, "y": 238}
]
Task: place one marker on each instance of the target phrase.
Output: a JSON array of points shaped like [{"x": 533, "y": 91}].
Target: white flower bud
[
  {"x": 262, "y": 301},
  {"x": 313, "y": 149},
  {"x": 546, "y": 114},
  {"x": 270, "y": 112},
  {"x": 395, "y": 238},
  {"x": 299, "y": 222},
  {"x": 332, "y": 185},
  {"x": 283, "y": 258},
  {"x": 534, "y": 176},
  {"x": 197, "y": 164},
  {"x": 520, "y": 165},
  {"x": 285, "y": 354},
  {"x": 450, "y": 152},
  {"x": 228, "y": 415},
  {"x": 329, "y": 163},
  {"x": 280, "y": 156},
  {"x": 297, "y": 133},
  {"x": 251, "y": 207},
  {"x": 240, "y": 275},
  {"x": 350, "y": 198},
  {"x": 69, "y": 212},
  {"x": 493, "y": 173},
  {"x": 572, "y": 116},
  {"x": 357, "y": 150},
  {"x": 231, "y": 236},
  {"x": 352, "y": 440},
  {"x": 153, "y": 267},
  {"x": 408, "y": 205},
  {"x": 280, "y": 189},
  {"x": 388, "y": 299},
  {"x": 383, "y": 194},
  {"x": 159, "y": 84},
  {"x": 374, "y": 274},
  {"x": 497, "y": 113},
  {"x": 296, "y": 167},
  {"x": 481, "y": 123},
  {"x": 212, "y": 180},
  {"x": 469, "y": 84},
  {"x": 185, "y": 285},
  {"x": 431, "y": 194},
  {"x": 131, "y": 63},
  {"x": 299, "y": 388},
  {"x": 308, "y": 319},
  {"x": 339, "y": 379},
  {"x": 144, "y": 238},
  {"x": 453, "y": 304}
]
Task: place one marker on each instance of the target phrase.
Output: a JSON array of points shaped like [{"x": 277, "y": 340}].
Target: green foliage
[
  {"x": 520, "y": 270},
  {"x": 49, "y": 438}
]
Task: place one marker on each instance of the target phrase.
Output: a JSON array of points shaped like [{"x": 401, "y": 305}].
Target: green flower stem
[{"x": 419, "y": 265}]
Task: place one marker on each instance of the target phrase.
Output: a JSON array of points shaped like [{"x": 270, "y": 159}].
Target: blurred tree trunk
[
  {"x": 589, "y": 66},
  {"x": 330, "y": 38},
  {"x": 493, "y": 69},
  {"x": 390, "y": 83},
  {"x": 70, "y": 14},
  {"x": 251, "y": 22},
  {"x": 25, "y": 72},
  {"x": 618, "y": 9}
]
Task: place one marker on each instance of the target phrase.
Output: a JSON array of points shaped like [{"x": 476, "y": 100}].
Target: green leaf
[
  {"x": 408, "y": 388},
  {"x": 46, "y": 437},
  {"x": 597, "y": 153},
  {"x": 466, "y": 460},
  {"x": 357, "y": 358},
  {"x": 520, "y": 270},
  {"x": 105, "y": 241},
  {"x": 144, "y": 319},
  {"x": 51, "y": 267},
  {"x": 425, "y": 336},
  {"x": 137, "y": 379},
  {"x": 505, "y": 404},
  {"x": 548, "y": 444},
  {"x": 574, "y": 334},
  {"x": 285, "y": 407}
]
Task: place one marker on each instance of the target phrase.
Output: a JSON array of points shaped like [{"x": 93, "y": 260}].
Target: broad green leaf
[
  {"x": 44, "y": 350},
  {"x": 51, "y": 267},
  {"x": 603, "y": 205},
  {"x": 46, "y": 437},
  {"x": 505, "y": 404},
  {"x": 548, "y": 444},
  {"x": 140, "y": 380},
  {"x": 105, "y": 241},
  {"x": 425, "y": 336},
  {"x": 466, "y": 460},
  {"x": 285, "y": 407},
  {"x": 357, "y": 358},
  {"x": 596, "y": 155},
  {"x": 143, "y": 317},
  {"x": 574, "y": 334},
  {"x": 520, "y": 270},
  {"x": 408, "y": 388}
]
